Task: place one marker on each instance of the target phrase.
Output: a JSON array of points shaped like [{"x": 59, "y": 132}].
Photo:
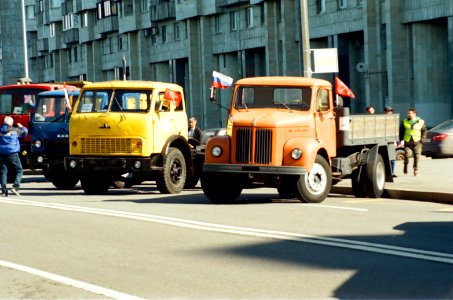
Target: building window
[
  {"x": 106, "y": 9},
  {"x": 84, "y": 19},
  {"x": 52, "y": 29},
  {"x": 70, "y": 21},
  {"x": 164, "y": 34},
  {"x": 123, "y": 44},
  {"x": 217, "y": 23},
  {"x": 342, "y": 4},
  {"x": 279, "y": 12},
  {"x": 177, "y": 28},
  {"x": 145, "y": 5},
  {"x": 75, "y": 53},
  {"x": 30, "y": 12},
  {"x": 262, "y": 15},
  {"x": 249, "y": 17},
  {"x": 321, "y": 6},
  {"x": 40, "y": 6},
  {"x": 128, "y": 7},
  {"x": 234, "y": 21},
  {"x": 153, "y": 39},
  {"x": 360, "y": 3}
]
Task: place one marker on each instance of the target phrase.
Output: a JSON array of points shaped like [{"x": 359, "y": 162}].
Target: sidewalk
[{"x": 435, "y": 182}]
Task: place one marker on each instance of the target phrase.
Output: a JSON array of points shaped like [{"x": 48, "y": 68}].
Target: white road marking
[
  {"x": 68, "y": 281},
  {"x": 280, "y": 235},
  {"x": 335, "y": 207}
]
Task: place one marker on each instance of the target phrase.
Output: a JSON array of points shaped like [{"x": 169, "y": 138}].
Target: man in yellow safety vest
[{"x": 412, "y": 134}]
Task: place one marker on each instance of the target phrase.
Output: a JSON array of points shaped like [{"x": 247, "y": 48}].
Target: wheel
[
  {"x": 370, "y": 181},
  {"x": 287, "y": 189},
  {"x": 220, "y": 188},
  {"x": 95, "y": 184},
  {"x": 376, "y": 177},
  {"x": 192, "y": 179},
  {"x": 314, "y": 186},
  {"x": 172, "y": 177},
  {"x": 65, "y": 181},
  {"x": 400, "y": 154}
]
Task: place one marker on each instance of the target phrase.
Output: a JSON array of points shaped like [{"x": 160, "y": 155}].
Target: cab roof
[
  {"x": 283, "y": 81},
  {"x": 58, "y": 93},
  {"x": 131, "y": 84}
]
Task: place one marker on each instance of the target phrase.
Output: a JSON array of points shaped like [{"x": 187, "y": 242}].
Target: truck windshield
[
  {"x": 50, "y": 109},
  {"x": 297, "y": 98},
  {"x": 114, "y": 101}
]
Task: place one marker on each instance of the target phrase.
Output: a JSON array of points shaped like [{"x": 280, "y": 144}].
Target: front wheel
[
  {"x": 314, "y": 186},
  {"x": 172, "y": 177},
  {"x": 95, "y": 184},
  {"x": 220, "y": 188}
]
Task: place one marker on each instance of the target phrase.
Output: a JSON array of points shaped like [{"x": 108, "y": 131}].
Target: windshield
[
  {"x": 15, "y": 101},
  {"x": 50, "y": 109},
  {"x": 114, "y": 101},
  {"x": 297, "y": 98}
]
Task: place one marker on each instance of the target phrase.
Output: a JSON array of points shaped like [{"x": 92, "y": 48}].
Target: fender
[
  {"x": 310, "y": 148},
  {"x": 180, "y": 142},
  {"x": 224, "y": 142}
]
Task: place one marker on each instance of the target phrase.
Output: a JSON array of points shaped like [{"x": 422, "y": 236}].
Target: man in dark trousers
[
  {"x": 9, "y": 153},
  {"x": 412, "y": 133}
]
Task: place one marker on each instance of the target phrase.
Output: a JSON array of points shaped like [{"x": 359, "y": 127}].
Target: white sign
[
  {"x": 344, "y": 123},
  {"x": 325, "y": 60}
]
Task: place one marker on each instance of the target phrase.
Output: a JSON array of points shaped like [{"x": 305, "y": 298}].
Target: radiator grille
[
  {"x": 262, "y": 149},
  {"x": 106, "y": 145}
]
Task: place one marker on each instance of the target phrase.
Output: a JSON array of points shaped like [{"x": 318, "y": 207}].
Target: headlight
[
  {"x": 73, "y": 164},
  {"x": 40, "y": 159},
  {"x": 296, "y": 153},
  {"x": 137, "y": 164},
  {"x": 216, "y": 151},
  {"x": 38, "y": 144}
]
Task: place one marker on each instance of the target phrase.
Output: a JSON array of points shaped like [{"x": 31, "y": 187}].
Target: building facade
[{"x": 391, "y": 52}]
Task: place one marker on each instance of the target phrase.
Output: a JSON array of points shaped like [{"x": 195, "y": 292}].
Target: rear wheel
[
  {"x": 220, "y": 188},
  {"x": 60, "y": 178},
  {"x": 314, "y": 186},
  {"x": 172, "y": 177},
  {"x": 370, "y": 181}
]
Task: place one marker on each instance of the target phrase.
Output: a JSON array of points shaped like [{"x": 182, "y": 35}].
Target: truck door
[{"x": 325, "y": 120}]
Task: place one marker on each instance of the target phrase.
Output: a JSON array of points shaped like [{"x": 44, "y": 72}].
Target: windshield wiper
[{"x": 284, "y": 104}]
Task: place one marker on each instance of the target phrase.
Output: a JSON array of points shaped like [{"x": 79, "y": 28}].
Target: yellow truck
[
  {"x": 288, "y": 133},
  {"x": 132, "y": 131}
]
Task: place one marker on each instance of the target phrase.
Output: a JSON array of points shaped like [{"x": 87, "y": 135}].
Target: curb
[{"x": 445, "y": 198}]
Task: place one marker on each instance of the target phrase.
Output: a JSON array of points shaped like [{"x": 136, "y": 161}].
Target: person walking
[
  {"x": 412, "y": 133},
  {"x": 194, "y": 131},
  {"x": 9, "y": 153}
]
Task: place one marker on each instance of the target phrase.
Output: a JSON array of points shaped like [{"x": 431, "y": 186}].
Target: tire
[
  {"x": 60, "y": 178},
  {"x": 371, "y": 181},
  {"x": 220, "y": 188},
  {"x": 95, "y": 184},
  {"x": 288, "y": 189},
  {"x": 172, "y": 177},
  {"x": 192, "y": 179},
  {"x": 314, "y": 186}
]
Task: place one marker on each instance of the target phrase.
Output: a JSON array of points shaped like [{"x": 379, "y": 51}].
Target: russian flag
[{"x": 221, "y": 81}]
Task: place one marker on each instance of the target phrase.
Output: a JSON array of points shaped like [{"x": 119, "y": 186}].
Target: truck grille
[
  {"x": 106, "y": 145},
  {"x": 262, "y": 142}
]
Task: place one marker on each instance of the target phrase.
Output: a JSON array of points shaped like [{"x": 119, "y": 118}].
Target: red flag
[
  {"x": 172, "y": 96},
  {"x": 342, "y": 89}
]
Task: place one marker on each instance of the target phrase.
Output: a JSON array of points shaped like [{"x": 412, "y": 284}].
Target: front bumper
[
  {"x": 111, "y": 164},
  {"x": 254, "y": 169}
]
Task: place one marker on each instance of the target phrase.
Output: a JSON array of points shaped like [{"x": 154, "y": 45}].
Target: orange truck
[{"x": 288, "y": 133}]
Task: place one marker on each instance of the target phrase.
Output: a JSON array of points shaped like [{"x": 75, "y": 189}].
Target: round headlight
[
  {"x": 40, "y": 159},
  {"x": 73, "y": 164},
  {"x": 216, "y": 151},
  {"x": 296, "y": 153},
  {"x": 38, "y": 144},
  {"x": 137, "y": 164}
]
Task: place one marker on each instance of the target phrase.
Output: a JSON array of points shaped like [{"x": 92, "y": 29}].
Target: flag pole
[
  {"x": 305, "y": 38},
  {"x": 24, "y": 36}
]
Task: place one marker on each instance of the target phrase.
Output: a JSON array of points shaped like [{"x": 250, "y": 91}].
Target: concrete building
[{"x": 391, "y": 52}]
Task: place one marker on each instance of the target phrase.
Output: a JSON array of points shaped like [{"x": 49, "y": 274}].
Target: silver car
[{"x": 439, "y": 141}]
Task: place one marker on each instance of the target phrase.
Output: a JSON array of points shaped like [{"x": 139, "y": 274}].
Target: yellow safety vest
[{"x": 413, "y": 131}]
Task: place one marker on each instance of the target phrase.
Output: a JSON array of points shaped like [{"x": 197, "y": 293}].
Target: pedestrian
[
  {"x": 412, "y": 134},
  {"x": 9, "y": 153},
  {"x": 388, "y": 110},
  {"x": 370, "y": 110},
  {"x": 194, "y": 131}
]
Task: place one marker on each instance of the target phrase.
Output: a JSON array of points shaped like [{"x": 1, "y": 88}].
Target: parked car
[
  {"x": 208, "y": 133},
  {"x": 439, "y": 141}
]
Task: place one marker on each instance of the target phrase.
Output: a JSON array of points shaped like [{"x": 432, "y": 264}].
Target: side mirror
[{"x": 213, "y": 97}]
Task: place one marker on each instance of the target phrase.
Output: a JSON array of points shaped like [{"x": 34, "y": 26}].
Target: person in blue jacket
[{"x": 9, "y": 153}]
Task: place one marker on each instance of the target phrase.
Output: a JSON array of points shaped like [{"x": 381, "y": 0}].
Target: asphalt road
[{"x": 139, "y": 243}]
